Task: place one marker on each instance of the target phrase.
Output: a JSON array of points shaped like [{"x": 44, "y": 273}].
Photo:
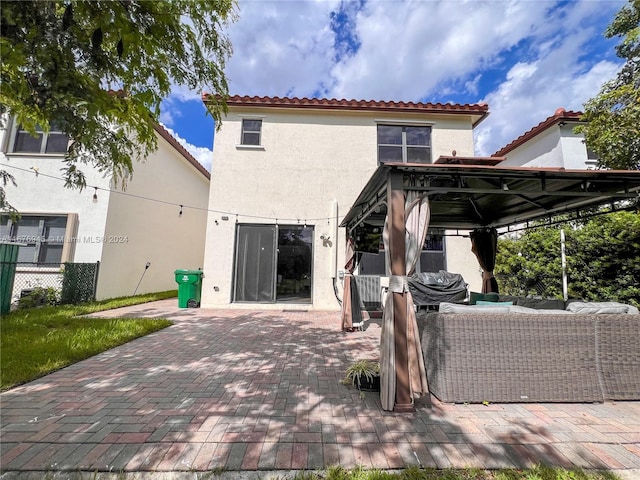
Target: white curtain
[{"x": 417, "y": 214}]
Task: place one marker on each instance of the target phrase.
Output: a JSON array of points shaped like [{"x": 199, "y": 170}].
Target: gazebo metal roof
[{"x": 470, "y": 196}]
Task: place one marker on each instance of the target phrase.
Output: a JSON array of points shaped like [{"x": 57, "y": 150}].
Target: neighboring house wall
[
  {"x": 460, "y": 259},
  {"x": 45, "y": 196},
  {"x": 309, "y": 168},
  {"x": 123, "y": 232},
  {"x": 140, "y": 230},
  {"x": 552, "y": 143}
]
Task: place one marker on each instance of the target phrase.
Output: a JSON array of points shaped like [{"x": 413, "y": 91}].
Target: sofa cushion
[
  {"x": 446, "y": 307},
  {"x": 538, "y": 311},
  {"x": 538, "y": 303},
  {"x": 601, "y": 307},
  {"x": 487, "y": 297}
]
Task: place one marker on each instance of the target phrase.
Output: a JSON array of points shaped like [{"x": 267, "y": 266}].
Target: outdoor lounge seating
[{"x": 497, "y": 355}]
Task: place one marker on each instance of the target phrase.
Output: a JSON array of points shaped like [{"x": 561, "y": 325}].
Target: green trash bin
[
  {"x": 8, "y": 258},
  {"x": 189, "y": 288}
]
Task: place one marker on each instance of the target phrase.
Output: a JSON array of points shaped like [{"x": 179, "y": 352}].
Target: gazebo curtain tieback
[{"x": 398, "y": 283}]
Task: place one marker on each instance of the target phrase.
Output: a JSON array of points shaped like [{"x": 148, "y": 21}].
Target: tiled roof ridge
[
  {"x": 162, "y": 131},
  {"x": 559, "y": 115},
  {"x": 256, "y": 100}
]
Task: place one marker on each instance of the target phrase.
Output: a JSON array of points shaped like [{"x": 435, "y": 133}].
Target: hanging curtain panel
[
  {"x": 255, "y": 263},
  {"x": 417, "y": 215},
  {"x": 484, "y": 244}
]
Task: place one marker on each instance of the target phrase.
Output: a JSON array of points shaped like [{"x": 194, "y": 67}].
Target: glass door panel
[{"x": 295, "y": 253}]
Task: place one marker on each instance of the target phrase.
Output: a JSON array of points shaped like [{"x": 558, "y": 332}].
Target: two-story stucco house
[
  {"x": 122, "y": 229},
  {"x": 285, "y": 172},
  {"x": 551, "y": 143}
]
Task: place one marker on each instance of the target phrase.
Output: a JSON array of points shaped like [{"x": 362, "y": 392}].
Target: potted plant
[{"x": 364, "y": 374}]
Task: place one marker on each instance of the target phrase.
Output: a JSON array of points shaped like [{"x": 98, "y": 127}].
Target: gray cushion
[{"x": 601, "y": 307}]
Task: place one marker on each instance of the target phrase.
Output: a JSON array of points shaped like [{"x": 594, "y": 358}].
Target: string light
[{"x": 181, "y": 206}]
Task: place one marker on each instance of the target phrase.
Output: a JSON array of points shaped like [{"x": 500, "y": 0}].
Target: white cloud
[
  {"x": 533, "y": 91},
  {"x": 410, "y": 49},
  {"x": 167, "y": 117},
  {"x": 281, "y": 48},
  {"x": 525, "y": 58},
  {"x": 201, "y": 154}
]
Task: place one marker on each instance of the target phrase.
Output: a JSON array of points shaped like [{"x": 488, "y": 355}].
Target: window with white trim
[
  {"x": 43, "y": 237},
  {"x": 52, "y": 142},
  {"x": 404, "y": 143},
  {"x": 251, "y": 131}
]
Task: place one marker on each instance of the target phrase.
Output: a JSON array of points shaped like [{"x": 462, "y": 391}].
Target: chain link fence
[
  {"x": 68, "y": 283},
  {"x": 546, "y": 286}
]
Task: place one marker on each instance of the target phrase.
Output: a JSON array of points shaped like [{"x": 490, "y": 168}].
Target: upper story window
[
  {"x": 251, "y": 130},
  {"x": 43, "y": 237},
  {"x": 434, "y": 242},
  {"x": 404, "y": 143},
  {"x": 53, "y": 142}
]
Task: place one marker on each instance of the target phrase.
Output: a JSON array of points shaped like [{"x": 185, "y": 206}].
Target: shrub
[{"x": 39, "y": 297}]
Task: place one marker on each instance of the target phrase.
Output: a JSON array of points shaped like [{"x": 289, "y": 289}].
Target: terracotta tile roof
[
  {"x": 481, "y": 109},
  {"x": 560, "y": 115},
  {"x": 183, "y": 151}
]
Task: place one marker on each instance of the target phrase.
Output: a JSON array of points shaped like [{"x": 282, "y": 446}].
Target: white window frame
[
  {"x": 246, "y": 131},
  {"x": 67, "y": 241},
  {"x": 44, "y": 138},
  {"x": 404, "y": 124},
  {"x": 245, "y": 146}
]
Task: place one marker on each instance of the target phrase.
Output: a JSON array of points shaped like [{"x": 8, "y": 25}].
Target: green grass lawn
[
  {"x": 414, "y": 473},
  {"x": 38, "y": 341},
  {"x": 359, "y": 473}
]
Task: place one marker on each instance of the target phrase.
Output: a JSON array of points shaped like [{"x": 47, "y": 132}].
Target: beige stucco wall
[
  {"x": 557, "y": 146},
  {"x": 307, "y": 161},
  {"x": 460, "y": 259},
  {"x": 138, "y": 230}
]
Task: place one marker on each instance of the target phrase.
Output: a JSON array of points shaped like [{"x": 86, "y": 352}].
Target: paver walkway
[{"x": 260, "y": 390}]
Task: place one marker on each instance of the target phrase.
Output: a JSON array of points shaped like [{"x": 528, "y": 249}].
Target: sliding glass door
[{"x": 273, "y": 263}]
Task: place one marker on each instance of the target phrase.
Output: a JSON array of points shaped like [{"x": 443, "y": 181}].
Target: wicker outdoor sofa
[{"x": 475, "y": 355}]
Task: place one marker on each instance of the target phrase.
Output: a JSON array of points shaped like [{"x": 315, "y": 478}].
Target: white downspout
[{"x": 334, "y": 244}]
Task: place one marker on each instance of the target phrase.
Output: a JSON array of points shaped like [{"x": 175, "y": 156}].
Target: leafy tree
[
  {"x": 603, "y": 260},
  {"x": 99, "y": 69},
  {"x": 530, "y": 264},
  {"x": 612, "y": 130}
]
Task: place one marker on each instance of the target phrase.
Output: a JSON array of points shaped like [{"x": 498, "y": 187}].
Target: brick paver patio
[{"x": 260, "y": 390}]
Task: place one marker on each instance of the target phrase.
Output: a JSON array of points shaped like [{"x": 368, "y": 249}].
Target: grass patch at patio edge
[
  {"x": 538, "y": 472},
  {"x": 35, "y": 342}
]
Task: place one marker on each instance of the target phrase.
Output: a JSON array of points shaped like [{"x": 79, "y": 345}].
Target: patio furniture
[{"x": 515, "y": 357}]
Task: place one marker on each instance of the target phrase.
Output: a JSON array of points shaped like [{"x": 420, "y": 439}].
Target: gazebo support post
[{"x": 395, "y": 197}]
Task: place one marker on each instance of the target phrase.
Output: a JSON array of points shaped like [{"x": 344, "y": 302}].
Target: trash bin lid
[{"x": 188, "y": 272}]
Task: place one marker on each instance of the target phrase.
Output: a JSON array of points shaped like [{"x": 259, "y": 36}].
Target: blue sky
[{"x": 524, "y": 58}]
